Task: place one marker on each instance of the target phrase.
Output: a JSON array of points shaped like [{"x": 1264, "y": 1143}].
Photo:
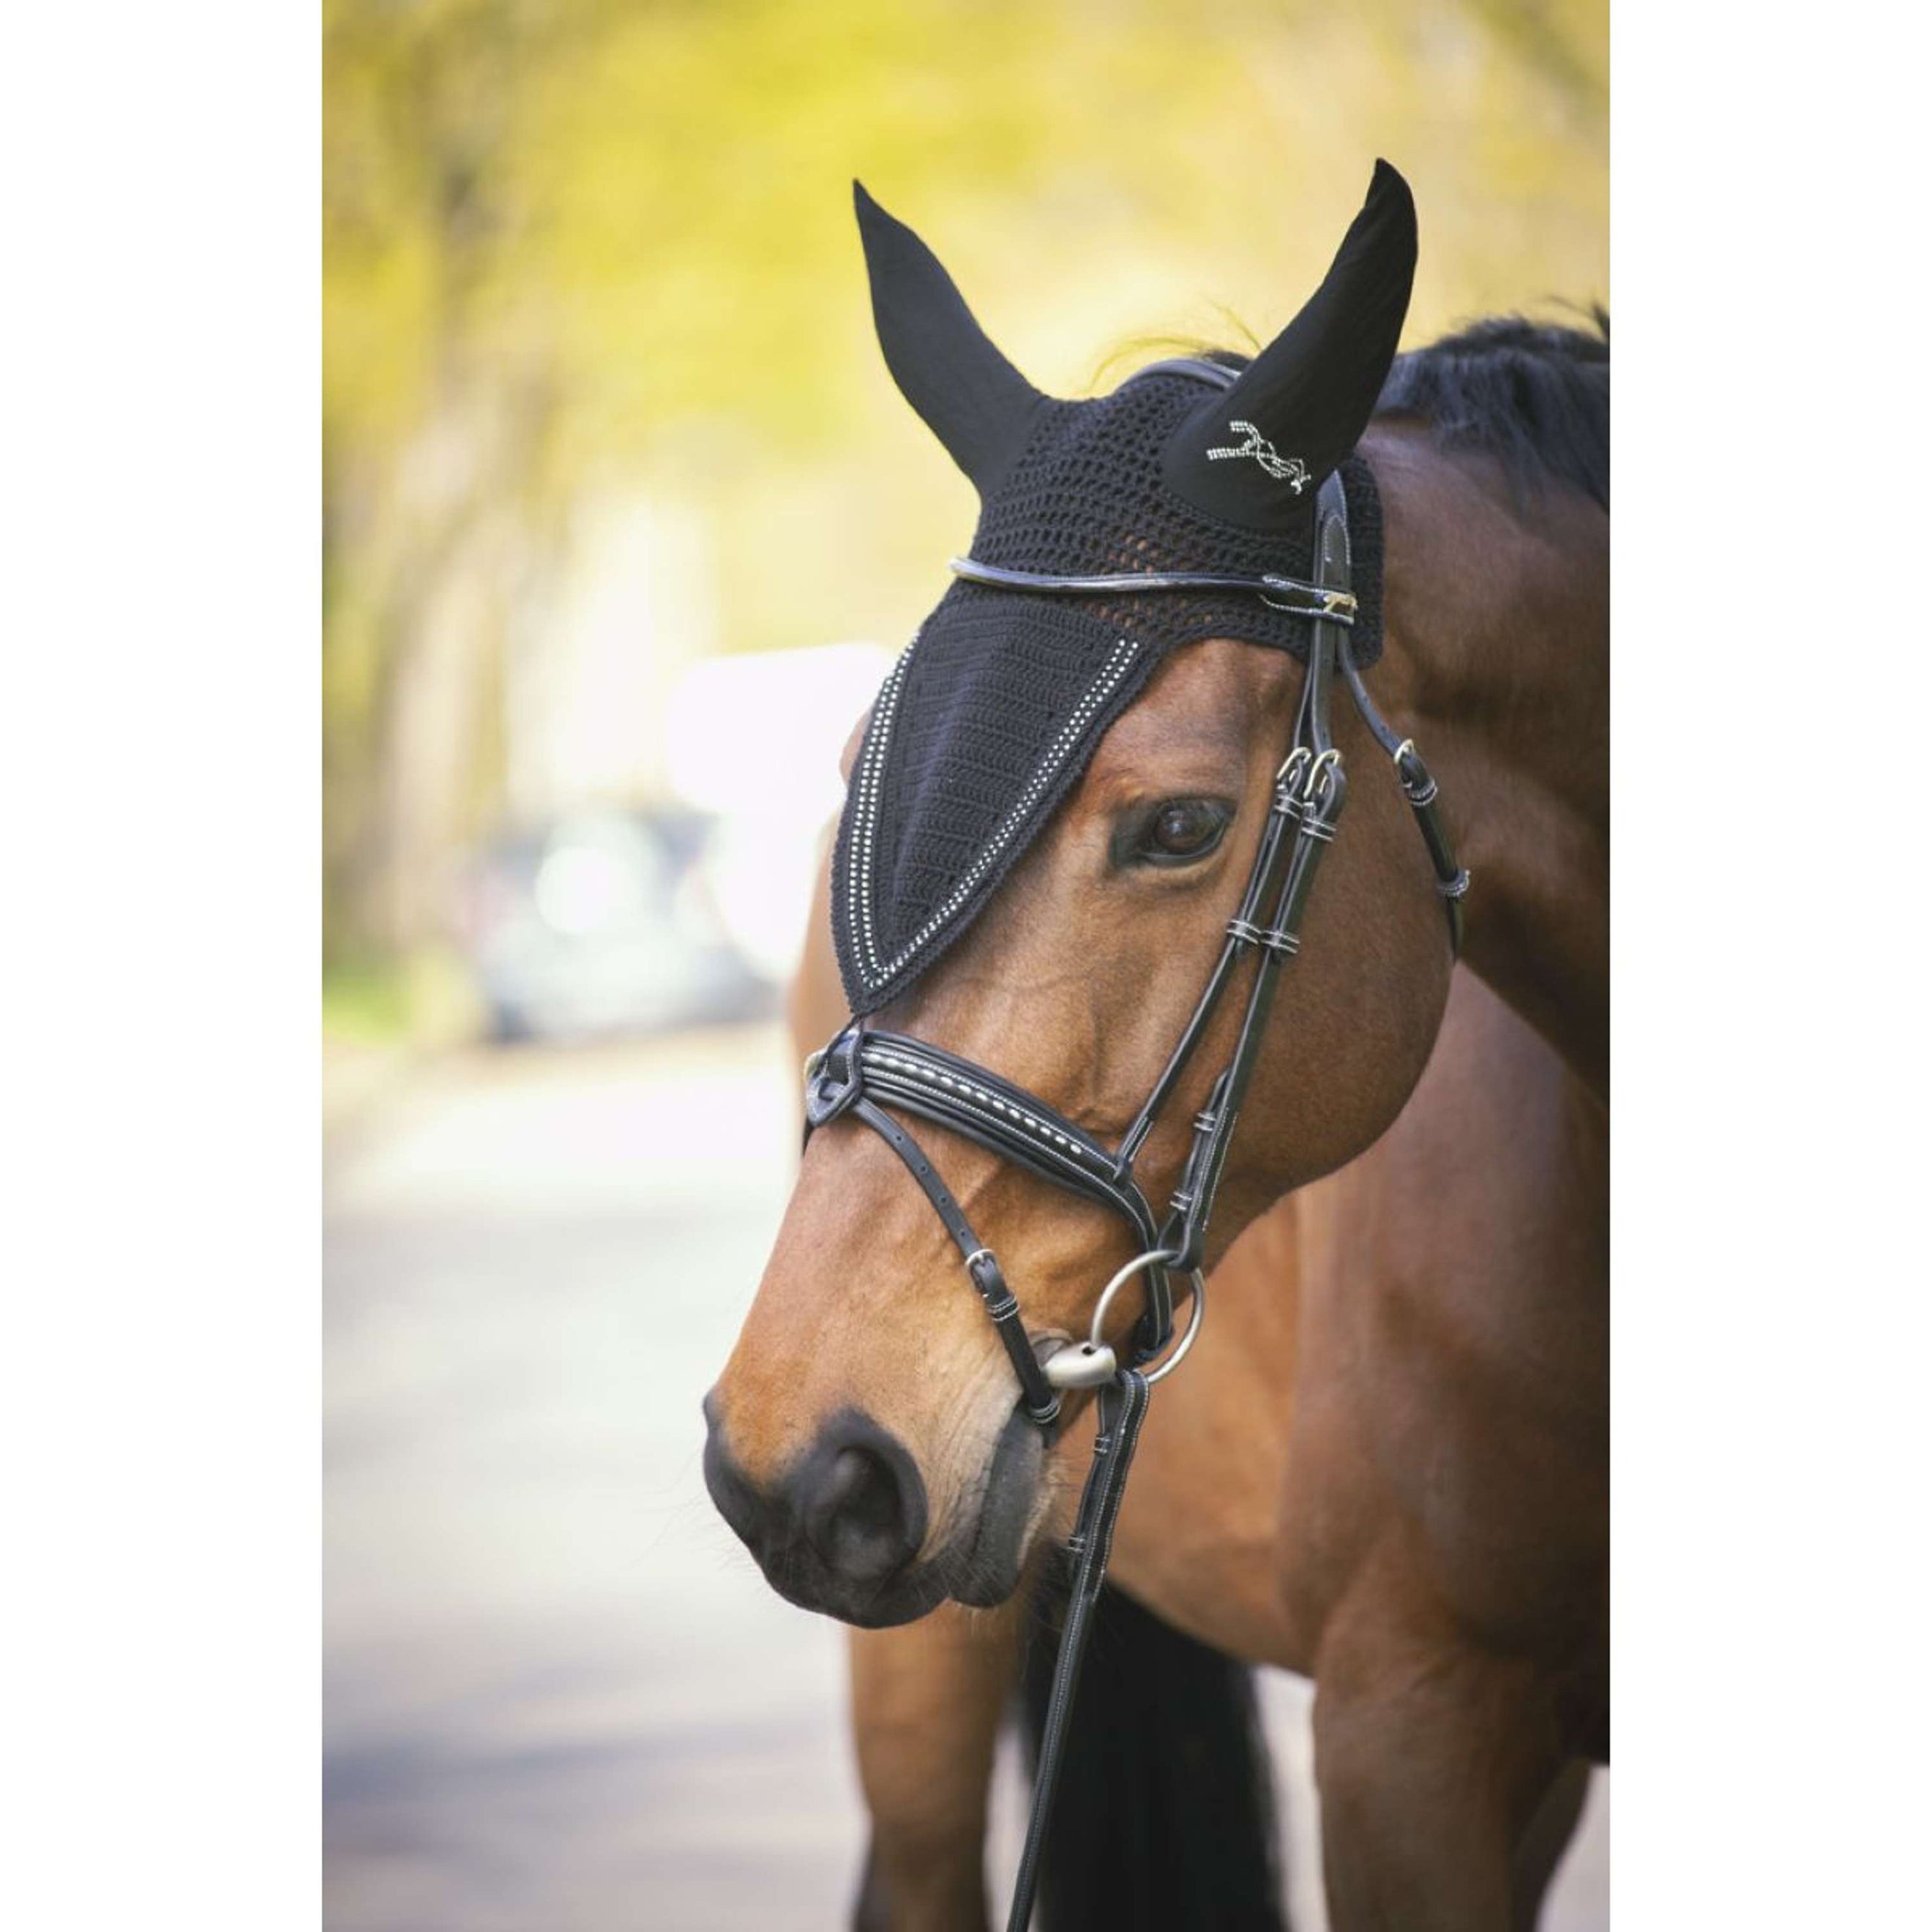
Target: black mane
[{"x": 1535, "y": 396}]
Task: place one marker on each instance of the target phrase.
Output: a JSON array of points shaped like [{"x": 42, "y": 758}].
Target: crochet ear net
[
  {"x": 971, "y": 398},
  {"x": 995, "y": 708},
  {"x": 1253, "y": 454},
  {"x": 1302, "y": 403}
]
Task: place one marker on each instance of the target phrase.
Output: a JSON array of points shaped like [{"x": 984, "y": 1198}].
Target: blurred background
[{"x": 623, "y": 521}]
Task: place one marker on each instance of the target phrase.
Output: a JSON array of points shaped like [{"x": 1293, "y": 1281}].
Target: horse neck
[{"x": 1497, "y": 663}]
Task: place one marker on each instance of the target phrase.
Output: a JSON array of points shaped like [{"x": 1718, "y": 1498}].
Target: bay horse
[
  {"x": 865, "y": 1440},
  {"x": 1385, "y": 1443}
]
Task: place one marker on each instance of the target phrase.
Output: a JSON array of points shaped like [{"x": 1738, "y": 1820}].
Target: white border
[
  {"x": 1770, "y": 1354},
  {"x": 159, "y": 759}
]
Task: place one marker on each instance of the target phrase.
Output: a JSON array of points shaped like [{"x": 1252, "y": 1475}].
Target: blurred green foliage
[
  {"x": 423, "y": 996},
  {"x": 577, "y": 244}
]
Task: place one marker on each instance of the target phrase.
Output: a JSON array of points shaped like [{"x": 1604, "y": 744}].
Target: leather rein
[{"x": 865, "y": 1070}]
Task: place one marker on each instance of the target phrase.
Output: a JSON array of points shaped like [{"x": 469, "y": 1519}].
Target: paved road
[{"x": 559, "y": 1698}]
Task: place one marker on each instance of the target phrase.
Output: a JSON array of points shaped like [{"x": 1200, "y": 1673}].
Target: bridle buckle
[{"x": 832, "y": 1079}]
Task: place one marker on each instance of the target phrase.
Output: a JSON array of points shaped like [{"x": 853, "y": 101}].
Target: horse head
[{"x": 1056, "y": 815}]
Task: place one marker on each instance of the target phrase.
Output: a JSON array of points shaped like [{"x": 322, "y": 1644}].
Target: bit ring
[{"x": 1197, "y": 1287}]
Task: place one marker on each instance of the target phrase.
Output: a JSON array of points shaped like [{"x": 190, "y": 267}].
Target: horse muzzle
[{"x": 840, "y": 1530}]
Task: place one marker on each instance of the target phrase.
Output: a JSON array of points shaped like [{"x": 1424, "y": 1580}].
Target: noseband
[{"x": 865, "y": 1070}]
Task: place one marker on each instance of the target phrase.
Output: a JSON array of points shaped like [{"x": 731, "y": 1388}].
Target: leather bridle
[{"x": 865, "y": 1070}]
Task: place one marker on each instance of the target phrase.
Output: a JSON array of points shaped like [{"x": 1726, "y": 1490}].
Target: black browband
[
  {"x": 1282, "y": 593},
  {"x": 863, "y": 1071}
]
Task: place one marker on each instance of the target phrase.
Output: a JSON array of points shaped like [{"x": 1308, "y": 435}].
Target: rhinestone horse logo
[{"x": 1289, "y": 469}]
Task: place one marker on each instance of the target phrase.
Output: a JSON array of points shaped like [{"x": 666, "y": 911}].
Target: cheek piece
[{"x": 866, "y": 1070}]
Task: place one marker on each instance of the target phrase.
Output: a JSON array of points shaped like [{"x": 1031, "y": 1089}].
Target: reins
[{"x": 863, "y": 1071}]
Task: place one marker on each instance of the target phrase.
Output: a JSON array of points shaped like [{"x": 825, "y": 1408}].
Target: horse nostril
[{"x": 862, "y": 1503}]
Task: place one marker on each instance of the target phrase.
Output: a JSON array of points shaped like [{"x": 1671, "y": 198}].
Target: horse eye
[{"x": 1183, "y": 830}]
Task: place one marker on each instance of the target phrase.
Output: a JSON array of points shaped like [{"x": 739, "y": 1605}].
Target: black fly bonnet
[{"x": 1191, "y": 470}]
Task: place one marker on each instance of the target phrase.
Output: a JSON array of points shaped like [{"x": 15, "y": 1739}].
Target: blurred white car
[{"x": 603, "y": 923}]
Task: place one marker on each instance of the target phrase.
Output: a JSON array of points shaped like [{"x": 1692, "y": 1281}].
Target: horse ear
[
  {"x": 971, "y": 398},
  {"x": 1300, "y": 407}
]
